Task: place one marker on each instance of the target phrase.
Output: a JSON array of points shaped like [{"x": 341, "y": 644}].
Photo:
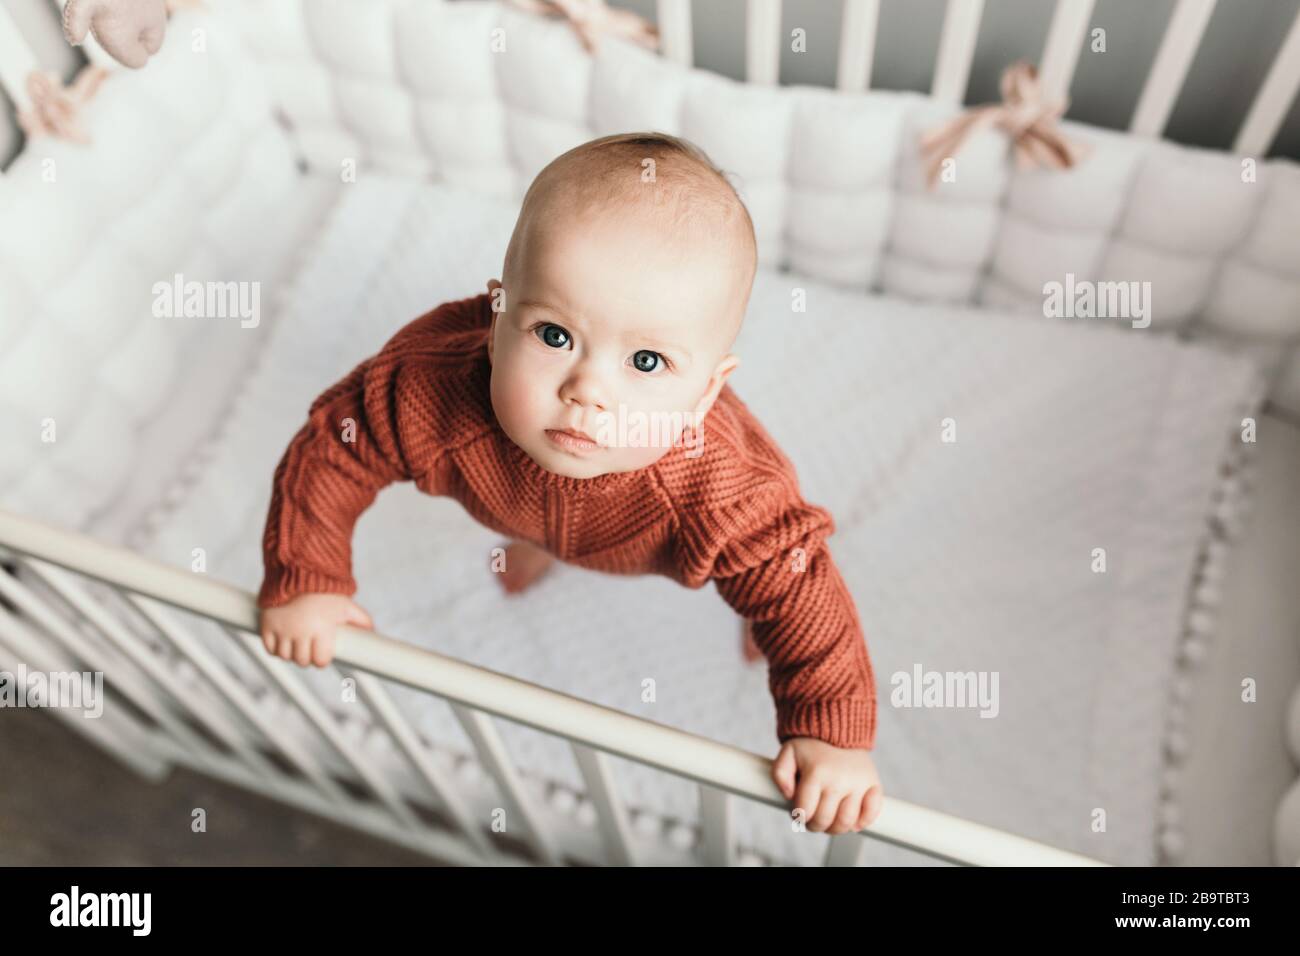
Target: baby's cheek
[
  {"x": 514, "y": 389},
  {"x": 505, "y": 400},
  {"x": 536, "y": 399}
]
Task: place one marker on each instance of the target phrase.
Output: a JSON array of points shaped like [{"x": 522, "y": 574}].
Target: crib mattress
[{"x": 965, "y": 555}]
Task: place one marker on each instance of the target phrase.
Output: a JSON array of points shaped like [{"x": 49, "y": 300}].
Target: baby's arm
[
  {"x": 361, "y": 434},
  {"x": 332, "y": 470},
  {"x": 775, "y": 570}
]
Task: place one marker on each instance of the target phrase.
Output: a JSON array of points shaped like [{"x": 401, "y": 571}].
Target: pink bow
[
  {"x": 55, "y": 107},
  {"x": 1023, "y": 114},
  {"x": 591, "y": 18}
]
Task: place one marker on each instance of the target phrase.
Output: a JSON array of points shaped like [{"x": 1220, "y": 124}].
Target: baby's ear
[
  {"x": 728, "y": 365},
  {"x": 725, "y": 367}
]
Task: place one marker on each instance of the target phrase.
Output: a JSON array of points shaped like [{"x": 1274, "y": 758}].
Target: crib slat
[
  {"x": 1275, "y": 96},
  {"x": 1065, "y": 37},
  {"x": 306, "y": 701},
  {"x": 613, "y": 819},
  {"x": 16, "y": 61},
  {"x": 235, "y": 692},
  {"x": 113, "y": 730},
  {"x": 1169, "y": 69},
  {"x": 495, "y": 758},
  {"x": 99, "y": 659},
  {"x": 961, "y": 27},
  {"x": 374, "y": 695},
  {"x": 762, "y": 41},
  {"x": 716, "y": 822},
  {"x": 130, "y": 646},
  {"x": 845, "y": 849},
  {"x": 858, "y": 25},
  {"x": 675, "y": 41}
]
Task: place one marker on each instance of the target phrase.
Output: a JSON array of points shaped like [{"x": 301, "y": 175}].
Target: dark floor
[{"x": 65, "y": 802}]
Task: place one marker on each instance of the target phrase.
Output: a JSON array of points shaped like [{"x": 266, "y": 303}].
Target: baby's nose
[{"x": 586, "y": 391}]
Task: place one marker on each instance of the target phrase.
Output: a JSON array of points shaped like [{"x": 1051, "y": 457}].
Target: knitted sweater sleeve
[
  {"x": 361, "y": 434},
  {"x": 768, "y": 558}
]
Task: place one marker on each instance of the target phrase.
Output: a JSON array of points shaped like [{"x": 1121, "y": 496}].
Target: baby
[{"x": 566, "y": 408}]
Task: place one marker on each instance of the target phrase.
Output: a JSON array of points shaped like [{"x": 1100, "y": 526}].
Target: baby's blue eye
[
  {"x": 549, "y": 339},
  {"x": 654, "y": 357}
]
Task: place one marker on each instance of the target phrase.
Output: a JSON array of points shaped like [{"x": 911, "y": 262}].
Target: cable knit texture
[{"x": 727, "y": 511}]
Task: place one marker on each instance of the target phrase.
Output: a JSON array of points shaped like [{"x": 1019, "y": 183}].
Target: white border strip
[
  {"x": 1274, "y": 98},
  {"x": 1169, "y": 70},
  {"x": 858, "y": 27},
  {"x": 762, "y": 42},
  {"x": 1065, "y": 38},
  {"x": 961, "y": 27},
  {"x": 675, "y": 40}
]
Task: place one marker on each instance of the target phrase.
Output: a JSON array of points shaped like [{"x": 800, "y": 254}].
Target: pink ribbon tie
[
  {"x": 55, "y": 108},
  {"x": 1023, "y": 114}
]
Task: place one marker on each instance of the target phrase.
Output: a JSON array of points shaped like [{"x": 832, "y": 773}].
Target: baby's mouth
[{"x": 571, "y": 440}]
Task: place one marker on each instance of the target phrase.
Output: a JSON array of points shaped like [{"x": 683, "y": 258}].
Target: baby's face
[{"x": 617, "y": 330}]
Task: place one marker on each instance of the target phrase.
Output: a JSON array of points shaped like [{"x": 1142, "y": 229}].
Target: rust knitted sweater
[{"x": 727, "y": 511}]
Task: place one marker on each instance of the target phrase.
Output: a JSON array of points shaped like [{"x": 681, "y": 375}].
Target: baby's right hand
[{"x": 303, "y": 629}]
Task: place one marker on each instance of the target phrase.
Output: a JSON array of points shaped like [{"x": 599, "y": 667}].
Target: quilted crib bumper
[{"x": 482, "y": 95}]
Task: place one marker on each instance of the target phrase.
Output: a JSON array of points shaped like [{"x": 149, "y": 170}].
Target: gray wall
[{"x": 1242, "y": 38}]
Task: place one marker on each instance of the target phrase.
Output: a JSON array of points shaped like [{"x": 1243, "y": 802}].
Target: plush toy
[{"x": 130, "y": 31}]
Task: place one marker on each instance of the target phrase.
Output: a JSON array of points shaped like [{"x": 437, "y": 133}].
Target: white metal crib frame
[
  {"x": 55, "y": 621},
  {"x": 37, "y": 592}
]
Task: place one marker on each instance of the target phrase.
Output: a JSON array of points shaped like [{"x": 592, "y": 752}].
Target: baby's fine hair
[{"x": 656, "y": 172}]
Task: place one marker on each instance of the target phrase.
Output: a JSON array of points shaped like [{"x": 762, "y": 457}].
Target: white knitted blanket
[{"x": 973, "y": 555}]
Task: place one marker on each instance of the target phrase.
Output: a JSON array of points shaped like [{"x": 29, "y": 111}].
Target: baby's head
[{"x": 624, "y": 287}]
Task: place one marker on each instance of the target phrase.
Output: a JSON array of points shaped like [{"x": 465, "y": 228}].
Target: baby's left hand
[{"x": 838, "y": 789}]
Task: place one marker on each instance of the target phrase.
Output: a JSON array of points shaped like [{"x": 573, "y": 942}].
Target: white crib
[{"x": 230, "y": 148}]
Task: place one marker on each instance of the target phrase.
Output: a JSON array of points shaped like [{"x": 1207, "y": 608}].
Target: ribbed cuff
[
  {"x": 848, "y": 722},
  {"x": 281, "y": 585}
]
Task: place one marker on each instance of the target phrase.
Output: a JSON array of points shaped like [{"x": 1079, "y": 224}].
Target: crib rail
[{"x": 50, "y": 620}]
